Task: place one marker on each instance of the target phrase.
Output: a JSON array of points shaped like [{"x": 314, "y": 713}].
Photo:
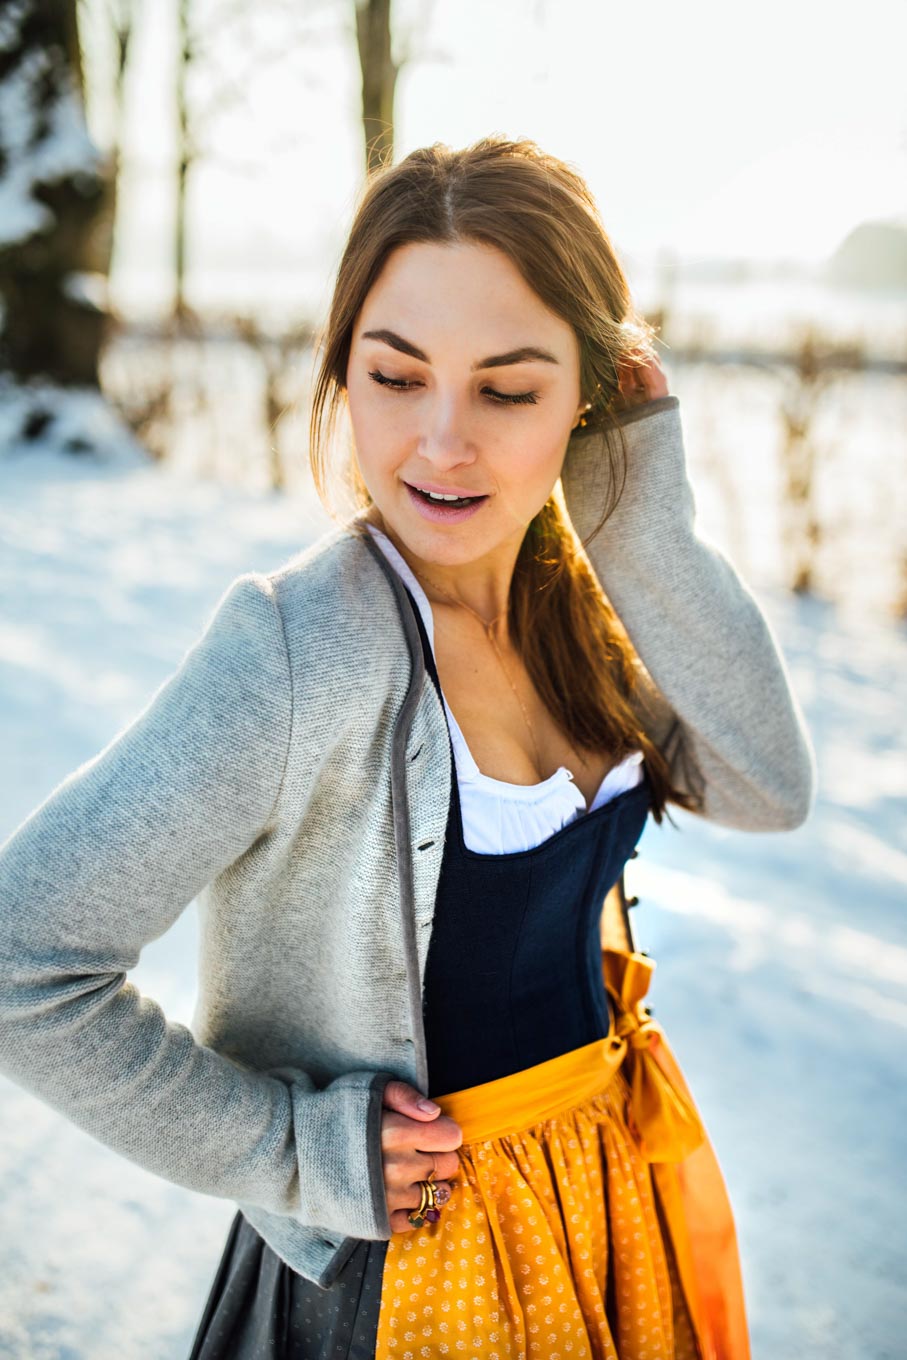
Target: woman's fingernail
[{"x": 428, "y": 1106}]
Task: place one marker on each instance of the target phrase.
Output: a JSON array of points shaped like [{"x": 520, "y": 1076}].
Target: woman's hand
[
  {"x": 414, "y": 1141},
  {"x": 641, "y": 380}
]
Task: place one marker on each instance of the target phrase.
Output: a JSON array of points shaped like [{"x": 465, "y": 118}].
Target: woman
[{"x": 403, "y": 772}]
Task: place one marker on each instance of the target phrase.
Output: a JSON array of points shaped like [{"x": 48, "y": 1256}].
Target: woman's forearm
[
  {"x": 721, "y": 704},
  {"x": 106, "y": 864}
]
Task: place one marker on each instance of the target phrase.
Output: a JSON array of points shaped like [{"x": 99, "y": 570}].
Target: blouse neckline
[{"x": 467, "y": 770}]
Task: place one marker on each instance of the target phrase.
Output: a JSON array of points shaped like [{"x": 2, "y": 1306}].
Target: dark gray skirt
[{"x": 260, "y": 1309}]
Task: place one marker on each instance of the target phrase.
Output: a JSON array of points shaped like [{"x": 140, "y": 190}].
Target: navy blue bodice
[{"x": 514, "y": 974}]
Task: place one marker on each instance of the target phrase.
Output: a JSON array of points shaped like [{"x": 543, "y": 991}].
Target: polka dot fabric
[
  {"x": 589, "y": 1218},
  {"x": 260, "y": 1309},
  {"x": 551, "y": 1246}
]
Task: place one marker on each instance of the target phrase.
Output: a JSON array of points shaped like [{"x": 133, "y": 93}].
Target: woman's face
[{"x": 460, "y": 381}]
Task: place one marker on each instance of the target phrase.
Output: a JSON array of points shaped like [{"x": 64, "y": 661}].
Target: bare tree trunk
[
  {"x": 184, "y": 159},
  {"x": 55, "y": 186},
  {"x": 69, "y": 25},
  {"x": 379, "y": 81},
  {"x": 800, "y": 530},
  {"x": 98, "y": 246}
]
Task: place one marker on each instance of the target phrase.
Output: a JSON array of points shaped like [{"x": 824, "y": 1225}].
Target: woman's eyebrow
[{"x": 525, "y": 354}]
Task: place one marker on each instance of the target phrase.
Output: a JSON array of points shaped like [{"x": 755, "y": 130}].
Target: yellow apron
[{"x": 589, "y": 1218}]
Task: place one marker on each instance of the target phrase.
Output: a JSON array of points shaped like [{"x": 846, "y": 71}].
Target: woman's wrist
[{"x": 639, "y": 410}]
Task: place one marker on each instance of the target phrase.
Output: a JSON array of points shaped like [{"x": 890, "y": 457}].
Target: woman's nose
[{"x": 447, "y": 438}]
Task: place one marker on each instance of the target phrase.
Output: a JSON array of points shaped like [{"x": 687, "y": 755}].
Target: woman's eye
[
  {"x": 530, "y": 397},
  {"x": 505, "y": 398},
  {"x": 397, "y": 384}
]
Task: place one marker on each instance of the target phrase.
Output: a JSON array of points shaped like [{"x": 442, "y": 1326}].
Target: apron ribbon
[
  {"x": 685, "y": 1172},
  {"x": 664, "y": 1123}
]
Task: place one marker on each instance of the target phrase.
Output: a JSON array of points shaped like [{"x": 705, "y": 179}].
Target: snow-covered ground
[{"x": 782, "y": 959}]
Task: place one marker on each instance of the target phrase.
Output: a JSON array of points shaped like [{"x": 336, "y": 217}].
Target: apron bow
[{"x": 663, "y": 1122}]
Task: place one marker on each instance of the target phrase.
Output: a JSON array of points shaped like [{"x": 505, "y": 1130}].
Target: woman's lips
[{"x": 438, "y": 512}]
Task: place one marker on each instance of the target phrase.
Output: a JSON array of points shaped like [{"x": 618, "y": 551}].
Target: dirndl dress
[{"x": 588, "y": 1219}]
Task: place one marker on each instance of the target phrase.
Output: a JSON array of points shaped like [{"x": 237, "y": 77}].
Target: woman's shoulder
[
  {"x": 335, "y": 569},
  {"x": 337, "y": 608}
]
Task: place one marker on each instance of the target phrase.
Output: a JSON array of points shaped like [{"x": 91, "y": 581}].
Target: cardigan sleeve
[
  {"x": 106, "y": 864},
  {"x": 716, "y": 694}
]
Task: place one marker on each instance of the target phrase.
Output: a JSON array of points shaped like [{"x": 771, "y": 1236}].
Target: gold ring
[{"x": 426, "y": 1207}]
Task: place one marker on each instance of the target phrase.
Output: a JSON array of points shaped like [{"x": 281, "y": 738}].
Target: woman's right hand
[{"x": 412, "y": 1142}]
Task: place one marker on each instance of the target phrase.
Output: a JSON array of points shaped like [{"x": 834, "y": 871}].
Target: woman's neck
[{"x": 482, "y": 586}]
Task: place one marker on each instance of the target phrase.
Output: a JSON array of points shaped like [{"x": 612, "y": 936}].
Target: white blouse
[{"x": 499, "y": 817}]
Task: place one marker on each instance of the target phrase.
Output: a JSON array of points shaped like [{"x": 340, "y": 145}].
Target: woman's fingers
[
  {"x": 444, "y": 1165},
  {"x": 403, "y": 1202},
  {"x": 408, "y": 1198},
  {"x": 401, "y": 1182},
  {"x": 411, "y": 1149},
  {"x": 642, "y": 380},
  {"x": 402, "y": 1205},
  {"x": 400, "y": 1221}
]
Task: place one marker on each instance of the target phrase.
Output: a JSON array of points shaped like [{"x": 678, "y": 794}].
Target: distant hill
[{"x": 873, "y": 255}]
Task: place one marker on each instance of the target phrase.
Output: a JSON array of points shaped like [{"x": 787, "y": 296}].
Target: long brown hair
[{"x": 540, "y": 213}]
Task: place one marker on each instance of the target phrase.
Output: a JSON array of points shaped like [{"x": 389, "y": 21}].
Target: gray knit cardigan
[{"x": 293, "y": 775}]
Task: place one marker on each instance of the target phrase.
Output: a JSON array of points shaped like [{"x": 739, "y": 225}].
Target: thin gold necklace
[{"x": 489, "y": 633}]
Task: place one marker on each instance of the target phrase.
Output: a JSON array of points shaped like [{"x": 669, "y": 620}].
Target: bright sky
[{"x": 704, "y": 129}]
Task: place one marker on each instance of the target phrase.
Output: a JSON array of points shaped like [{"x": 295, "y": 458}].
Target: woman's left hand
[{"x": 641, "y": 382}]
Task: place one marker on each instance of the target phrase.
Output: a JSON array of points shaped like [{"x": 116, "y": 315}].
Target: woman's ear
[{"x": 581, "y": 412}]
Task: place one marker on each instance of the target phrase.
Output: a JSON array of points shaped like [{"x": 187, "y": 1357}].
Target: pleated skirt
[{"x": 553, "y": 1246}]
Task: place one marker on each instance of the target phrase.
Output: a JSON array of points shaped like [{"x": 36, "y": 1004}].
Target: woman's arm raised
[
  {"x": 106, "y": 864},
  {"x": 721, "y": 706}
]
